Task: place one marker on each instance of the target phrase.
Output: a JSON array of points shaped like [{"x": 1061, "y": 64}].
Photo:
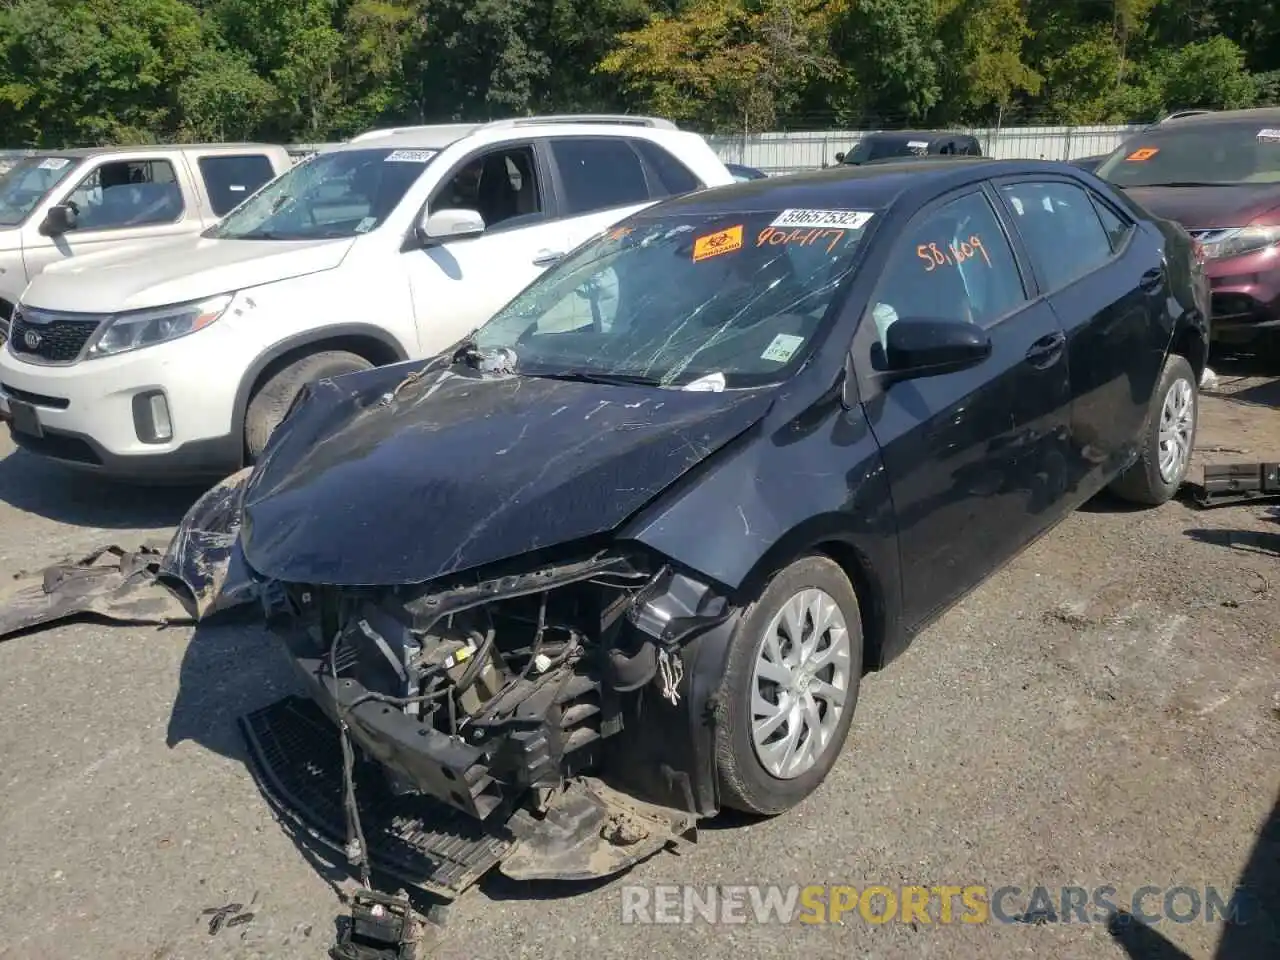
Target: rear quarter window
[{"x": 230, "y": 179}]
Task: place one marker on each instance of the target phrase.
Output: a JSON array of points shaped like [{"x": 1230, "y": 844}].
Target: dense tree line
[{"x": 99, "y": 71}]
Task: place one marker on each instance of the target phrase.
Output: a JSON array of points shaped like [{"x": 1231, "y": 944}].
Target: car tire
[
  {"x": 753, "y": 773},
  {"x": 1172, "y": 418},
  {"x": 271, "y": 401}
]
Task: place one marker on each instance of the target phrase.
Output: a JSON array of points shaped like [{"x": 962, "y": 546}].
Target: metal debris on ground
[{"x": 1230, "y": 483}]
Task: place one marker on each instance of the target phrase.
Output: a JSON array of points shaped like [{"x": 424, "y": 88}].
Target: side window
[
  {"x": 1118, "y": 230},
  {"x": 672, "y": 177},
  {"x": 598, "y": 173},
  {"x": 128, "y": 193},
  {"x": 953, "y": 264},
  {"x": 501, "y": 185},
  {"x": 1061, "y": 229},
  {"x": 229, "y": 179}
]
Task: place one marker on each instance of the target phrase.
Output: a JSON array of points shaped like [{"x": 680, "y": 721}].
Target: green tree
[
  {"x": 1210, "y": 74},
  {"x": 725, "y": 64},
  {"x": 985, "y": 68},
  {"x": 94, "y": 71},
  {"x": 893, "y": 52}
]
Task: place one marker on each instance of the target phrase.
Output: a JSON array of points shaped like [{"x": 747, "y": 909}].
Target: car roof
[
  {"x": 1254, "y": 115},
  {"x": 875, "y": 187},
  {"x": 82, "y": 152},
  {"x": 438, "y": 136}
]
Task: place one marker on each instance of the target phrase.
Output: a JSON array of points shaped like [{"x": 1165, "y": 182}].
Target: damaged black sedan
[{"x": 621, "y": 559}]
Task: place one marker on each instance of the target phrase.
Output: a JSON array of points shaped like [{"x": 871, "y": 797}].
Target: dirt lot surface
[{"x": 1106, "y": 711}]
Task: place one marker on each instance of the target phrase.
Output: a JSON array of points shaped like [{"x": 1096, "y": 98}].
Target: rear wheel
[
  {"x": 1168, "y": 438},
  {"x": 271, "y": 400},
  {"x": 795, "y": 664}
]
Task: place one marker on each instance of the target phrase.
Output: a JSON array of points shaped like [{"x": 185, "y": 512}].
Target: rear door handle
[
  {"x": 1045, "y": 351},
  {"x": 1151, "y": 279},
  {"x": 546, "y": 258}
]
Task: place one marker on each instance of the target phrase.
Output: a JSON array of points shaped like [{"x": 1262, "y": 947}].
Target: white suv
[{"x": 389, "y": 247}]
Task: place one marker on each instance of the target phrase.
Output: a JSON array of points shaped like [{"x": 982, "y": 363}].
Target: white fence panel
[{"x": 777, "y": 153}]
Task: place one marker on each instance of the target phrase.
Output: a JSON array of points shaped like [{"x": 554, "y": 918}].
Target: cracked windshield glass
[
  {"x": 331, "y": 195},
  {"x": 707, "y": 302}
]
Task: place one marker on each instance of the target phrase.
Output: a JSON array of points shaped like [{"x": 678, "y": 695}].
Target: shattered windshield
[
  {"x": 338, "y": 194},
  {"x": 705, "y": 301},
  {"x": 1205, "y": 153},
  {"x": 26, "y": 183}
]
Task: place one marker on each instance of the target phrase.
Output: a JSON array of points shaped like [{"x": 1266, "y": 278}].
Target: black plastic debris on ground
[{"x": 296, "y": 758}]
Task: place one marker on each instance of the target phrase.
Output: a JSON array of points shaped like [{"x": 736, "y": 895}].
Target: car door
[
  {"x": 1106, "y": 283},
  {"x": 975, "y": 459},
  {"x": 117, "y": 201},
  {"x": 459, "y": 284}
]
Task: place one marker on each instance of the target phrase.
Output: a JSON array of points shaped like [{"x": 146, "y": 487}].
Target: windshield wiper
[{"x": 587, "y": 376}]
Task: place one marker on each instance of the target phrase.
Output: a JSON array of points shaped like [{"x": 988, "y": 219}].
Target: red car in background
[{"x": 1218, "y": 175}]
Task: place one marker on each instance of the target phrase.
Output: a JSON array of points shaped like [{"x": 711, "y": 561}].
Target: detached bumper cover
[{"x": 199, "y": 574}]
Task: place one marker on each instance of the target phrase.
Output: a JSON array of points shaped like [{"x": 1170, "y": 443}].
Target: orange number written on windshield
[{"x": 936, "y": 255}]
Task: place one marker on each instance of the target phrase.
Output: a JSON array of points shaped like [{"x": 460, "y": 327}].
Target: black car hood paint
[
  {"x": 461, "y": 470},
  {"x": 1202, "y": 208}
]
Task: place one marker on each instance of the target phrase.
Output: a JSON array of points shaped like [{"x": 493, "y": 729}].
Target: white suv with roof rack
[{"x": 388, "y": 247}]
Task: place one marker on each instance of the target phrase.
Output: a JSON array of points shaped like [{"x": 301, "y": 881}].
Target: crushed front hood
[{"x": 367, "y": 486}]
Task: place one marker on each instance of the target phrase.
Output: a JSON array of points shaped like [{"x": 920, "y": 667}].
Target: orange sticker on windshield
[
  {"x": 714, "y": 244},
  {"x": 1146, "y": 153}
]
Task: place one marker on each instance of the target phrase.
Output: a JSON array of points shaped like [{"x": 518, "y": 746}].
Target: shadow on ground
[
  {"x": 1251, "y": 934},
  {"x": 1264, "y": 542},
  {"x": 46, "y": 489}
]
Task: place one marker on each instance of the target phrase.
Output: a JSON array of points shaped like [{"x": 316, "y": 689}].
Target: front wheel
[
  {"x": 273, "y": 398},
  {"x": 790, "y": 688},
  {"x": 1168, "y": 438}
]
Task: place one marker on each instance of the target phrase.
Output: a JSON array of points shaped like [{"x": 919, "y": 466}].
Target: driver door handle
[
  {"x": 1046, "y": 350},
  {"x": 545, "y": 258}
]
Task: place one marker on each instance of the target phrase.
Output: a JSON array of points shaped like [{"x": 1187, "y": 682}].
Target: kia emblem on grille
[{"x": 32, "y": 339}]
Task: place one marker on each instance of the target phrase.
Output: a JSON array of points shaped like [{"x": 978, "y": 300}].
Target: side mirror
[
  {"x": 924, "y": 347},
  {"x": 61, "y": 218},
  {"x": 840, "y": 157},
  {"x": 450, "y": 224}
]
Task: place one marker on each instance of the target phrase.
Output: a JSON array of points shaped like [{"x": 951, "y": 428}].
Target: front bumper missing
[{"x": 588, "y": 831}]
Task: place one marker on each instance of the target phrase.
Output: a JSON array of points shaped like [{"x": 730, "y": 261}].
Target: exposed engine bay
[{"x": 479, "y": 692}]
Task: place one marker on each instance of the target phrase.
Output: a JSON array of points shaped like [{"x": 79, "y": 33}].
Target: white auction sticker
[
  {"x": 53, "y": 163},
  {"x": 837, "y": 219},
  {"x": 782, "y": 348},
  {"x": 410, "y": 156},
  {"x": 1270, "y": 135}
]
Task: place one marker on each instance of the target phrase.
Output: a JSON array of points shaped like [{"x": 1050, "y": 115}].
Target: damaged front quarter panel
[{"x": 199, "y": 574}]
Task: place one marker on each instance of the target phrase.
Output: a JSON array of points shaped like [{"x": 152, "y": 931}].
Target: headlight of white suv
[
  {"x": 1235, "y": 243},
  {"x": 143, "y": 328}
]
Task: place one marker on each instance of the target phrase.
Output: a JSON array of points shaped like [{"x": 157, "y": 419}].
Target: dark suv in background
[
  {"x": 1218, "y": 175},
  {"x": 905, "y": 144}
]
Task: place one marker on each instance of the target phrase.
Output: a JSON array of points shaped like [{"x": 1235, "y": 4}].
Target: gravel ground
[{"x": 1104, "y": 711}]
